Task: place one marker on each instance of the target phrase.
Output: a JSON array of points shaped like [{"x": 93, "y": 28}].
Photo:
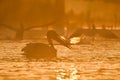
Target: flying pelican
[{"x": 41, "y": 50}]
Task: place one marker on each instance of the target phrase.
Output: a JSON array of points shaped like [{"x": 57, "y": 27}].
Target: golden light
[{"x": 75, "y": 40}]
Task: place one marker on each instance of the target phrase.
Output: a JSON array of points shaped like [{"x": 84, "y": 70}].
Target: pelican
[{"x": 41, "y": 50}]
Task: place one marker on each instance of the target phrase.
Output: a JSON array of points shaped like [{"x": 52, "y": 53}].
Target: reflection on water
[
  {"x": 68, "y": 74},
  {"x": 97, "y": 61}
]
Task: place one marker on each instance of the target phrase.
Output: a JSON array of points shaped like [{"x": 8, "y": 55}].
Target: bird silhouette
[{"x": 41, "y": 50}]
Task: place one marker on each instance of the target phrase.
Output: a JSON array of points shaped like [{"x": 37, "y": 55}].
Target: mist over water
[{"x": 31, "y": 19}]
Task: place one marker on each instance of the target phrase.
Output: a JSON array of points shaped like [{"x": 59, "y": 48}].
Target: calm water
[{"x": 97, "y": 61}]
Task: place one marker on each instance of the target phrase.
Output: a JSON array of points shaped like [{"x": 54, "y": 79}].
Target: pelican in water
[{"x": 41, "y": 50}]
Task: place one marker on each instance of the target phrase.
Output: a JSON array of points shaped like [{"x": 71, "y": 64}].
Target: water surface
[{"x": 97, "y": 61}]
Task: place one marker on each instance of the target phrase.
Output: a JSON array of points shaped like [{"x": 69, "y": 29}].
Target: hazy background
[
  {"x": 33, "y": 12},
  {"x": 73, "y": 13}
]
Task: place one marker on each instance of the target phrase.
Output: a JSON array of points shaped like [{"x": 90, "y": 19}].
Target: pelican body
[{"x": 41, "y": 50}]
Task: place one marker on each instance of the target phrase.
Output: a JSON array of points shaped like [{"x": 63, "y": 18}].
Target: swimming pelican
[{"x": 41, "y": 50}]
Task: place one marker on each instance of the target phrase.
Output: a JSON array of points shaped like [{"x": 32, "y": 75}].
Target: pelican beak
[
  {"x": 63, "y": 41},
  {"x": 53, "y": 35}
]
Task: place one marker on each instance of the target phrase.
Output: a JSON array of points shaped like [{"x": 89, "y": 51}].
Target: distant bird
[{"x": 41, "y": 50}]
